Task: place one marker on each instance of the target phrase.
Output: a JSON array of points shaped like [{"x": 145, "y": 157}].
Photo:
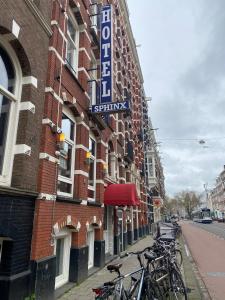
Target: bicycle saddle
[
  {"x": 115, "y": 267},
  {"x": 150, "y": 256}
]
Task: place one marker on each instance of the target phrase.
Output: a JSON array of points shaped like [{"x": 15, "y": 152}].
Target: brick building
[
  {"x": 216, "y": 197},
  {"x": 83, "y": 174},
  {"x": 24, "y": 38}
]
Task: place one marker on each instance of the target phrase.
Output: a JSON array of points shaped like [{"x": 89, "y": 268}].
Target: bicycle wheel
[
  {"x": 151, "y": 289},
  {"x": 179, "y": 257},
  {"x": 161, "y": 283},
  {"x": 178, "y": 288}
]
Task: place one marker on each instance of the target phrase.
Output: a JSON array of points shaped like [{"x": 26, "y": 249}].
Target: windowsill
[
  {"x": 60, "y": 198},
  {"x": 94, "y": 203},
  {"x": 6, "y": 190}
]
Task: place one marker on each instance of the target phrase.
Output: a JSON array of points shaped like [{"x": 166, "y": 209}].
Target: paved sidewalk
[{"x": 84, "y": 290}]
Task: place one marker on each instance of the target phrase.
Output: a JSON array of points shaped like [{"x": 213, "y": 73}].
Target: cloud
[{"x": 183, "y": 62}]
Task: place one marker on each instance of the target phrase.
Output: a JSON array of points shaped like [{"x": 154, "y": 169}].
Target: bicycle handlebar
[{"x": 135, "y": 253}]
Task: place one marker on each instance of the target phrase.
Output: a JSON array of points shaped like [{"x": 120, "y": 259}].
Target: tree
[{"x": 191, "y": 201}]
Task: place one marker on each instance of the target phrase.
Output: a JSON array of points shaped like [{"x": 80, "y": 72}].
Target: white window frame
[
  {"x": 90, "y": 187},
  {"x": 61, "y": 178},
  {"x": 74, "y": 67},
  {"x": 64, "y": 234},
  {"x": 94, "y": 16},
  {"x": 151, "y": 174},
  {"x": 93, "y": 80},
  {"x": 5, "y": 177}
]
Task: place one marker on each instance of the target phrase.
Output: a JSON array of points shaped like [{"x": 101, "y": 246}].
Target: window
[
  {"x": 92, "y": 169},
  {"x": 72, "y": 48},
  {"x": 67, "y": 156},
  {"x": 150, "y": 167},
  {"x": 10, "y": 89},
  {"x": 93, "y": 85},
  {"x": 94, "y": 16},
  {"x": 111, "y": 160}
]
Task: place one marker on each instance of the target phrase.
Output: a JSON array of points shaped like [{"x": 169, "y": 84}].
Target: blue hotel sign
[{"x": 106, "y": 88}]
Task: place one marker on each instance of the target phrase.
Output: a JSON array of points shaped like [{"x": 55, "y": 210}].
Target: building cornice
[{"x": 39, "y": 17}]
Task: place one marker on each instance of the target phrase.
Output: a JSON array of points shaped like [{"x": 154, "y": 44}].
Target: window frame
[
  {"x": 74, "y": 67},
  {"x": 93, "y": 82},
  {"x": 94, "y": 158},
  {"x": 14, "y": 98},
  {"x": 61, "y": 178}
]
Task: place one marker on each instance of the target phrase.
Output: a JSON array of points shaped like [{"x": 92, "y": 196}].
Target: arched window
[{"x": 10, "y": 89}]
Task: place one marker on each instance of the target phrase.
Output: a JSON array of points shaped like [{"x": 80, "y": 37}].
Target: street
[
  {"x": 206, "y": 243},
  {"x": 215, "y": 228}
]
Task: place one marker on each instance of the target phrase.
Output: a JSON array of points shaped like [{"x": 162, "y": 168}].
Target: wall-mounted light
[
  {"x": 105, "y": 169},
  {"x": 61, "y": 140},
  {"x": 87, "y": 157}
]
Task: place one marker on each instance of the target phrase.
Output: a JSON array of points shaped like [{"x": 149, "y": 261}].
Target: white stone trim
[
  {"x": 81, "y": 172},
  {"x": 54, "y": 22},
  {"x": 30, "y": 80},
  {"x": 84, "y": 124},
  {"x": 84, "y": 49},
  {"x": 80, "y": 146},
  {"x": 83, "y": 202},
  {"x": 122, "y": 178},
  {"x": 85, "y": 71},
  {"x": 103, "y": 143},
  {"x": 57, "y": 54},
  {"x": 15, "y": 29},
  {"x": 49, "y": 157},
  {"x": 85, "y": 31},
  {"x": 100, "y": 181},
  {"x": 49, "y": 197},
  {"x": 57, "y": 97},
  {"x": 99, "y": 160},
  {"x": 27, "y": 105},
  {"x": 22, "y": 149}
]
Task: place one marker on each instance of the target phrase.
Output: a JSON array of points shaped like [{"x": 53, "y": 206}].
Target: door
[
  {"x": 90, "y": 243},
  {"x": 120, "y": 230},
  {"x": 62, "y": 252},
  {"x": 108, "y": 229}
]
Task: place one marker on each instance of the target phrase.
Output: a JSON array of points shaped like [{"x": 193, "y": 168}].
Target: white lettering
[
  {"x": 123, "y": 105},
  {"x": 105, "y": 93},
  {"x": 106, "y": 32},
  {"x": 96, "y": 109},
  {"x": 106, "y": 16},
  {"x": 106, "y": 47},
  {"x": 105, "y": 66}
]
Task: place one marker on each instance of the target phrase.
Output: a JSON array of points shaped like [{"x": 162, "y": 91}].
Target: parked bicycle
[{"x": 158, "y": 276}]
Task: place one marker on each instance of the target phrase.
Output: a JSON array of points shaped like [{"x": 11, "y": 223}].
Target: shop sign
[
  {"x": 106, "y": 56},
  {"x": 110, "y": 107}
]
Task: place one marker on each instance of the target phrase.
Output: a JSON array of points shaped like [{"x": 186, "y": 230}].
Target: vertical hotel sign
[{"x": 106, "y": 57}]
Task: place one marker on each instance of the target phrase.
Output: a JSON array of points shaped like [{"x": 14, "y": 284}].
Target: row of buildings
[
  {"x": 80, "y": 178},
  {"x": 216, "y": 197}
]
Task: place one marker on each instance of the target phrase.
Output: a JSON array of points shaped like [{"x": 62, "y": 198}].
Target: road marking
[
  {"x": 216, "y": 274},
  {"x": 186, "y": 250}
]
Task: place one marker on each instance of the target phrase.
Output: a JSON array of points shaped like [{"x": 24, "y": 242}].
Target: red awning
[{"x": 121, "y": 195}]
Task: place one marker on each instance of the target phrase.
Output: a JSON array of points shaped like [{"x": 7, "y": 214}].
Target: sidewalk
[{"x": 84, "y": 290}]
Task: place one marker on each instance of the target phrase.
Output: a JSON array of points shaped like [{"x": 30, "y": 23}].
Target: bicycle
[{"x": 142, "y": 287}]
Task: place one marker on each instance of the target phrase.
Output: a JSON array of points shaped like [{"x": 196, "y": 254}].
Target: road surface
[
  {"x": 215, "y": 228},
  {"x": 207, "y": 245}
]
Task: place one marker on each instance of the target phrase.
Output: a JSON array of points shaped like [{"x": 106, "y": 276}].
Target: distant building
[{"x": 216, "y": 197}]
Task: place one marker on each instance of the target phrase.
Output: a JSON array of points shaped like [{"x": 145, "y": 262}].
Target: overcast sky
[{"x": 182, "y": 55}]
